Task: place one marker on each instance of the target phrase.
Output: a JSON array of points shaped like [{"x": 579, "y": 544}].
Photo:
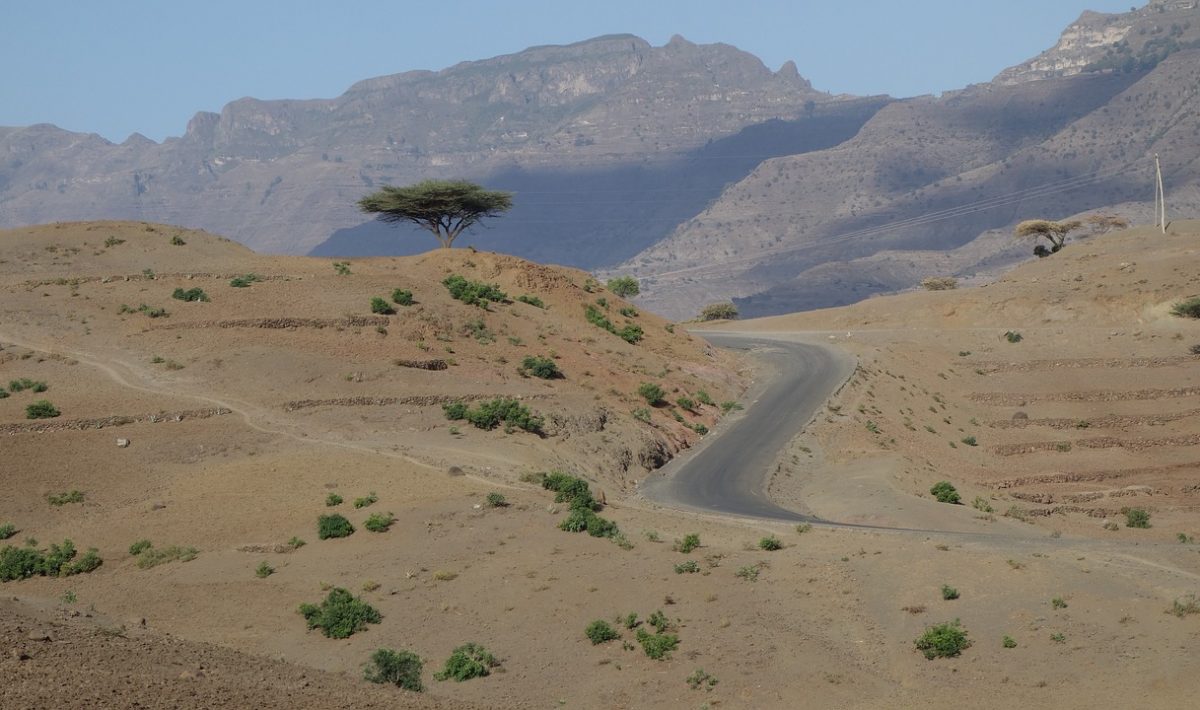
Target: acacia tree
[
  {"x": 1054, "y": 232},
  {"x": 444, "y": 207}
]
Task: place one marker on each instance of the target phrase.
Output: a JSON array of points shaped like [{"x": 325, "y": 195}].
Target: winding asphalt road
[{"x": 729, "y": 474}]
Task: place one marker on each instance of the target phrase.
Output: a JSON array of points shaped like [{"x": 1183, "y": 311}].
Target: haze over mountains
[{"x": 694, "y": 167}]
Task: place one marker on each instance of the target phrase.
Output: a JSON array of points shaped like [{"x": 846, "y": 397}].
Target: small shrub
[
  {"x": 630, "y": 620},
  {"x": 628, "y": 311},
  {"x": 699, "y": 679},
  {"x": 466, "y": 662},
  {"x": 531, "y": 300},
  {"x": 341, "y": 268},
  {"x": 540, "y": 367},
  {"x": 473, "y": 293},
  {"x": 333, "y": 526},
  {"x": 970, "y": 441},
  {"x": 379, "y": 522},
  {"x": 41, "y": 409},
  {"x": 244, "y": 280},
  {"x": 982, "y": 505},
  {"x": 400, "y": 668},
  {"x": 7, "y": 530},
  {"x": 939, "y": 283},
  {"x": 652, "y": 393},
  {"x": 58, "y": 499},
  {"x": 153, "y": 557},
  {"x": 264, "y": 570},
  {"x": 27, "y": 384},
  {"x": 368, "y": 499},
  {"x": 1058, "y": 603},
  {"x": 770, "y": 543},
  {"x": 1008, "y": 642},
  {"x": 333, "y": 499},
  {"x": 340, "y": 615},
  {"x": 455, "y": 411},
  {"x": 642, "y": 414},
  {"x": 1187, "y": 309},
  {"x": 719, "y": 311},
  {"x": 659, "y": 621},
  {"x": 496, "y": 500},
  {"x": 748, "y": 573},
  {"x": 586, "y": 520},
  {"x": 1058, "y": 637},
  {"x": 296, "y": 543},
  {"x": 728, "y": 407},
  {"x": 1185, "y": 606},
  {"x": 624, "y": 286},
  {"x": 1137, "y": 518},
  {"x": 689, "y": 567},
  {"x": 686, "y": 403},
  {"x": 177, "y": 241},
  {"x": 657, "y": 646},
  {"x": 949, "y": 593},
  {"x": 803, "y": 528},
  {"x": 113, "y": 241},
  {"x": 1013, "y": 337},
  {"x": 139, "y": 547},
  {"x": 943, "y": 640},
  {"x": 945, "y": 492},
  {"x": 689, "y": 542},
  {"x": 600, "y": 631},
  {"x": 402, "y": 297},
  {"x": 381, "y": 306},
  {"x": 191, "y": 294},
  {"x": 703, "y": 398}
]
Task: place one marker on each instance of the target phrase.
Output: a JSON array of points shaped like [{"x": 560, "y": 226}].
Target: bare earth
[{"x": 288, "y": 391}]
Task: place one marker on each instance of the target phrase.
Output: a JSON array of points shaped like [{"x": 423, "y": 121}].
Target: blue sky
[{"x": 121, "y": 66}]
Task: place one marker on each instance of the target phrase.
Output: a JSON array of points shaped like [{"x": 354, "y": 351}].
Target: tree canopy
[
  {"x": 444, "y": 207},
  {"x": 1054, "y": 232}
]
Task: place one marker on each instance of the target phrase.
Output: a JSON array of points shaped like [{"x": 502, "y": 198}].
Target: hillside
[{"x": 220, "y": 431}]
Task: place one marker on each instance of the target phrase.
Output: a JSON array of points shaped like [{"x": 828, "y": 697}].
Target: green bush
[
  {"x": 59, "y": 499},
  {"x": 1008, "y": 642},
  {"x": 368, "y": 499},
  {"x": 244, "y": 280},
  {"x": 686, "y": 403},
  {"x": 264, "y": 570},
  {"x": 1187, "y": 309},
  {"x": 400, "y": 668},
  {"x": 628, "y": 311},
  {"x": 24, "y": 562},
  {"x": 600, "y": 631},
  {"x": 688, "y": 567},
  {"x": 631, "y": 333},
  {"x": 652, "y": 393},
  {"x": 689, "y": 542},
  {"x": 333, "y": 526},
  {"x": 496, "y": 500},
  {"x": 466, "y": 662},
  {"x": 153, "y": 557},
  {"x": 488, "y": 415},
  {"x": 333, "y": 499},
  {"x": 531, "y": 300},
  {"x": 570, "y": 490},
  {"x": 970, "y": 441},
  {"x": 624, "y": 286},
  {"x": 473, "y": 293},
  {"x": 1136, "y": 518},
  {"x": 642, "y": 414},
  {"x": 657, "y": 646},
  {"x": 41, "y": 409},
  {"x": 340, "y": 615},
  {"x": 7, "y": 530},
  {"x": 770, "y": 544},
  {"x": 381, "y": 306},
  {"x": 943, "y": 640},
  {"x": 379, "y": 522},
  {"x": 949, "y": 593},
  {"x": 139, "y": 547},
  {"x": 455, "y": 411},
  {"x": 1058, "y": 603},
  {"x": 27, "y": 384},
  {"x": 402, "y": 297},
  {"x": 341, "y": 268},
  {"x": 944, "y": 492},
  {"x": 1013, "y": 336},
  {"x": 191, "y": 294},
  {"x": 541, "y": 367},
  {"x": 659, "y": 621},
  {"x": 584, "y": 519},
  {"x": 982, "y": 505},
  {"x": 703, "y": 398},
  {"x": 3, "y": 393}
]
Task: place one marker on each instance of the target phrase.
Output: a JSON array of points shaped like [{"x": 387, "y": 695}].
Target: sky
[{"x": 114, "y": 67}]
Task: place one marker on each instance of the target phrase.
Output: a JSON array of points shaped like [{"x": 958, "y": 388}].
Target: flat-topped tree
[
  {"x": 444, "y": 207},
  {"x": 1054, "y": 232}
]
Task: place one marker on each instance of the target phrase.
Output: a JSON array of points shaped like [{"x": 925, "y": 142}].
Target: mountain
[
  {"x": 1074, "y": 130},
  {"x": 600, "y": 122}
]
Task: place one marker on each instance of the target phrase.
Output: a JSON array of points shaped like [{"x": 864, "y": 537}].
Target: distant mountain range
[{"x": 694, "y": 167}]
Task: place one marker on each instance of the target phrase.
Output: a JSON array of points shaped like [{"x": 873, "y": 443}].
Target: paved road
[{"x": 729, "y": 474}]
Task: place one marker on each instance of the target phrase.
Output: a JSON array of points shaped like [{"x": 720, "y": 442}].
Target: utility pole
[{"x": 1160, "y": 197}]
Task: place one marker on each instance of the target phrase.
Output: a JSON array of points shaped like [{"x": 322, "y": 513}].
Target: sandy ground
[{"x": 831, "y": 618}]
